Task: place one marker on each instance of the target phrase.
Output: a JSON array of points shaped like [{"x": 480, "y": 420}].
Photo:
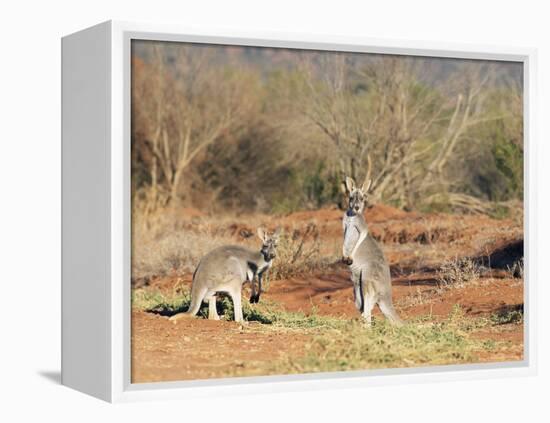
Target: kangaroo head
[
  {"x": 357, "y": 197},
  {"x": 269, "y": 243}
]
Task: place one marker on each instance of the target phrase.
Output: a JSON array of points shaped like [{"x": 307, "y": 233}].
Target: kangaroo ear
[
  {"x": 366, "y": 186},
  {"x": 350, "y": 184},
  {"x": 277, "y": 233},
  {"x": 261, "y": 234}
]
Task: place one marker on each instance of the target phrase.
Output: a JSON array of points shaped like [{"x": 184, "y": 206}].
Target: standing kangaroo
[
  {"x": 370, "y": 272},
  {"x": 226, "y": 269}
]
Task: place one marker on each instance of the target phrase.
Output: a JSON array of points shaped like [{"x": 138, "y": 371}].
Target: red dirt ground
[{"x": 199, "y": 348}]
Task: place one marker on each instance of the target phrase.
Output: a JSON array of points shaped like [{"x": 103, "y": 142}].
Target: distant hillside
[{"x": 432, "y": 70}]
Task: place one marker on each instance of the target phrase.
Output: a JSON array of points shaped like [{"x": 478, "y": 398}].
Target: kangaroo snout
[{"x": 347, "y": 260}]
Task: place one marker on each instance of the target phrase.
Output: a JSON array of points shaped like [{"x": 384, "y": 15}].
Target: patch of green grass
[
  {"x": 158, "y": 303},
  {"x": 508, "y": 315},
  {"x": 265, "y": 312},
  {"x": 499, "y": 211},
  {"x": 251, "y": 313},
  {"x": 354, "y": 346},
  {"x": 338, "y": 344}
]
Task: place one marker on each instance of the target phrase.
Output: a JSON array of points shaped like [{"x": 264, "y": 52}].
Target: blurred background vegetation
[{"x": 247, "y": 129}]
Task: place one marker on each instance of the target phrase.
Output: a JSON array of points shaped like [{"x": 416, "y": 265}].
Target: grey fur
[
  {"x": 370, "y": 272},
  {"x": 226, "y": 269}
]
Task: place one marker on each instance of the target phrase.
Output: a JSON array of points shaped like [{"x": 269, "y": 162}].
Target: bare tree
[
  {"x": 382, "y": 110},
  {"x": 318, "y": 116},
  {"x": 186, "y": 103}
]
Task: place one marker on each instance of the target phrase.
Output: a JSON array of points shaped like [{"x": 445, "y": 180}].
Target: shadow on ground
[{"x": 53, "y": 376}]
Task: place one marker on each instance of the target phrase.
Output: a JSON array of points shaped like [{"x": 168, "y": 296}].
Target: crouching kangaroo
[
  {"x": 370, "y": 272},
  {"x": 226, "y": 269}
]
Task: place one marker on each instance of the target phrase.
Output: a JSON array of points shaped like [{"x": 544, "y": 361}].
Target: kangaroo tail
[
  {"x": 195, "y": 305},
  {"x": 388, "y": 310},
  {"x": 197, "y": 296}
]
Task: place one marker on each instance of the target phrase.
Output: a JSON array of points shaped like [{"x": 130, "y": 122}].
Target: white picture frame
[{"x": 96, "y": 213}]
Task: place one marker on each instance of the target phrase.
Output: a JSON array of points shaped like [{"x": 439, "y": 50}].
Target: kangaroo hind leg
[
  {"x": 212, "y": 311},
  {"x": 237, "y": 306},
  {"x": 369, "y": 301}
]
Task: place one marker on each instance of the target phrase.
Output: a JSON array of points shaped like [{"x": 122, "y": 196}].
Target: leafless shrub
[
  {"x": 517, "y": 269},
  {"x": 458, "y": 272},
  {"x": 180, "y": 108},
  {"x": 298, "y": 252},
  {"x": 392, "y": 118}
]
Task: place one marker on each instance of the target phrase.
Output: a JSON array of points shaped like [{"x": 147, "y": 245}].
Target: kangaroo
[
  {"x": 370, "y": 272},
  {"x": 226, "y": 269}
]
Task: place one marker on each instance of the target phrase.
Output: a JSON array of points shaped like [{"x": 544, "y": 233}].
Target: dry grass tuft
[
  {"x": 298, "y": 252},
  {"x": 517, "y": 269},
  {"x": 173, "y": 253},
  {"x": 458, "y": 272}
]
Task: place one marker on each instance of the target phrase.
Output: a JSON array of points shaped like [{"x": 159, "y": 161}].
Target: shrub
[
  {"x": 517, "y": 269},
  {"x": 457, "y": 272},
  {"x": 298, "y": 252},
  {"x": 508, "y": 314}
]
